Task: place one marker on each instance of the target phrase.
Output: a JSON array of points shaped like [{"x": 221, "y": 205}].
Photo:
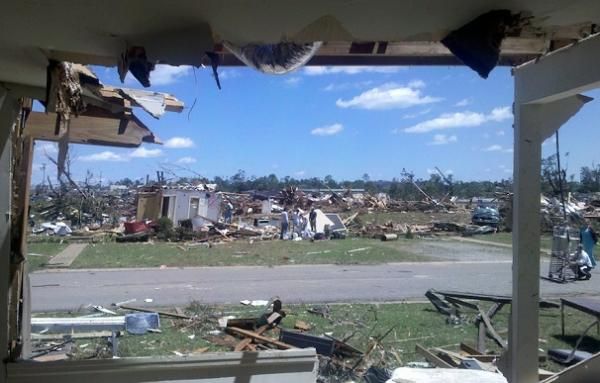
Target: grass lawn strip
[
  {"x": 245, "y": 253},
  {"x": 39, "y": 253}
]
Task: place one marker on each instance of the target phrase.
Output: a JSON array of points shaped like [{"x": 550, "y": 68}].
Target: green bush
[{"x": 164, "y": 228}]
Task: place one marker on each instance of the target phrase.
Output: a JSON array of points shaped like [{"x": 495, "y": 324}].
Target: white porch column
[
  {"x": 9, "y": 107},
  {"x": 523, "y": 335},
  {"x": 533, "y": 124}
]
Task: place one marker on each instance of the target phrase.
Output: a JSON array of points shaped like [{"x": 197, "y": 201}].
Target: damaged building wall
[
  {"x": 178, "y": 205},
  {"x": 148, "y": 205}
]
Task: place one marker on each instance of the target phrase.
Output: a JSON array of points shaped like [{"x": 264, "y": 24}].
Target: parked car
[{"x": 486, "y": 215}]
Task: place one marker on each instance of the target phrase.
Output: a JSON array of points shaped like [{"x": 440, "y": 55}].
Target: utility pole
[{"x": 43, "y": 173}]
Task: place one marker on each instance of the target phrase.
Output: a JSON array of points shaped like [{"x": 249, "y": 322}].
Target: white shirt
[{"x": 584, "y": 259}]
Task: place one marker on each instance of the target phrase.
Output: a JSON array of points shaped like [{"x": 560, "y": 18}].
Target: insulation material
[
  {"x": 278, "y": 58},
  {"x": 65, "y": 97},
  {"x": 477, "y": 43},
  {"x": 152, "y": 102},
  {"x": 134, "y": 60},
  {"x": 444, "y": 375}
]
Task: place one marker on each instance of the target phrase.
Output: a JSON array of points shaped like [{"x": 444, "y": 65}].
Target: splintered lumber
[
  {"x": 468, "y": 349},
  {"x": 505, "y": 299},
  {"x": 431, "y": 357},
  {"x": 302, "y": 326},
  {"x": 51, "y": 357},
  {"x": 497, "y": 338},
  {"x": 264, "y": 339},
  {"x": 347, "y": 220},
  {"x": 245, "y": 343},
  {"x": 161, "y": 313}
]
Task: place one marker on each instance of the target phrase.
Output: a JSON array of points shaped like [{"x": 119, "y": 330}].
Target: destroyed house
[{"x": 178, "y": 204}]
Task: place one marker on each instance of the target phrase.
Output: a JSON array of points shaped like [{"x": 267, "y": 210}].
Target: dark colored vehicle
[{"x": 486, "y": 215}]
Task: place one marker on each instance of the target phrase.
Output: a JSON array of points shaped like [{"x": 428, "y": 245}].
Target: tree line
[{"x": 436, "y": 185}]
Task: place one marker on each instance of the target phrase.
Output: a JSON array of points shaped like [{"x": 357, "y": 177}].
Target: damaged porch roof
[
  {"x": 178, "y": 32},
  {"x": 108, "y": 118}
]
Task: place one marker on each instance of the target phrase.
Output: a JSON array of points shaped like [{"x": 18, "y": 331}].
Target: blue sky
[{"x": 343, "y": 121}]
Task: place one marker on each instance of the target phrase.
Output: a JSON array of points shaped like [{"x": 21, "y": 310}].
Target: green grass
[
  {"x": 506, "y": 238},
  {"x": 39, "y": 253},
  {"x": 413, "y": 323},
  {"x": 262, "y": 253}
]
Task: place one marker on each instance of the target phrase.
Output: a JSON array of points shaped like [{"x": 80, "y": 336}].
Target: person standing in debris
[
  {"x": 312, "y": 218},
  {"x": 589, "y": 239},
  {"x": 584, "y": 264},
  {"x": 284, "y": 224},
  {"x": 297, "y": 217},
  {"x": 294, "y": 220},
  {"x": 303, "y": 222},
  {"x": 228, "y": 214}
]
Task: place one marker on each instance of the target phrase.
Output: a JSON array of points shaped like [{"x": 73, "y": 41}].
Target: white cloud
[
  {"x": 142, "y": 152},
  {"x": 228, "y": 74},
  {"x": 102, "y": 156},
  {"x": 167, "y": 74},
  {"x": 300, "y": 173},
  {"x": 324, "y": 70},
  {"x": 497, "y": 148},
  {"x": 463, "y": 102},
  {"x": 416, "y": 84},
  {"x": 500, "y": 114},
  {"x": 442, "y": 139},
  {"x": 493, "y": 148},
  {"x": 460, "y": 120},
  {"x": 47, "y": 148},
  {"x": 500, "y": 133},
  {"x": 179, "y": 143},
  {"x": 388, "y": 96},
  {"x": 328, "y": 130},
  {"x": 347, "y": 85},
  {"x": 186, "y": 160},
  {"x": 292, "y": 81},
  {"x": 409, "y": 116}
]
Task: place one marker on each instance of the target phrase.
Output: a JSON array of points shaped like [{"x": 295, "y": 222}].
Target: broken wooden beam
[
  {"x": 254, "y": 335},
  {"x": 161, "y": 313},
  {"x": 246, "y": 342},
  {"x": 431, "y": 357}
]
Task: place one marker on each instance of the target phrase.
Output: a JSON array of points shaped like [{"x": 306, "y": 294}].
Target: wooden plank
[
  {"x": 253, "y": 335},
  {"x": 431, "y": 357},
  {"x": 51, "y": 357},
  {"x": 491, "y": 329},
  {"x": 161, "y": 313},
  {"x": 302, "y": 326},
  {"x": 450, "y": 357},
  {"x": 246, "y": 342},
  {"x": 468, "y": 349}
]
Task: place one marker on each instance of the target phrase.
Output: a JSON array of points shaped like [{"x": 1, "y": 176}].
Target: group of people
[{"x": 300, "y": 222}]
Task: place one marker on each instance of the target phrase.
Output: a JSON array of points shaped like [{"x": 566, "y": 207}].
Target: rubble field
[{"x": 385, "y": 335}]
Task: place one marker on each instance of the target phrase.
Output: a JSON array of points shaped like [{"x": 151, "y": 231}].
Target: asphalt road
[{"x": 68, "y": 290}]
